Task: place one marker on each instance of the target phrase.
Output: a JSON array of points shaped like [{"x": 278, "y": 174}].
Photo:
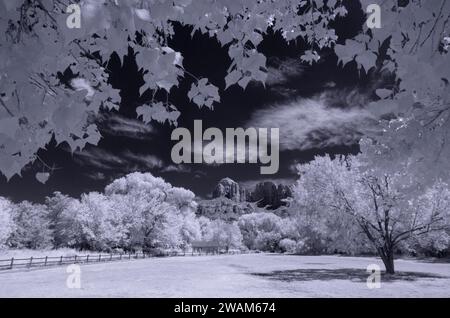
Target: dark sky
[{"x": 128, "y": 145}]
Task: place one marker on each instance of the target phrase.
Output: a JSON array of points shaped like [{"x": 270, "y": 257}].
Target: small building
[{"x": 207, "y": 247}]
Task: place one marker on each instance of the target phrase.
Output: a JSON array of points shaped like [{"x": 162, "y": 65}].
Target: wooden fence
[{"x": 34, "y": 262}]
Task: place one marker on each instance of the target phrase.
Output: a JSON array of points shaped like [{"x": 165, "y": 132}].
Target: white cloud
[{"x": 310, "y": 123}]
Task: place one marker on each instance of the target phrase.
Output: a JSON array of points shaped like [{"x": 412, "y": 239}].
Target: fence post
[
  {"x": 31, "y": 261},
  {"x": 75, "y": 259},
  {"x": 45, "y": 263},
  {"x": 61, "y": 260},
  {"x": 12, "y": 263},
  {"x": 87, "y": 258},
  {"x": 100, "y": 257}
]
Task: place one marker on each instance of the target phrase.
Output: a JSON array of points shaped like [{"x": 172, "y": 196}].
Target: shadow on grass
[
  {"x": 358, "y": 275},
  {"x": 435, "y": 260}
]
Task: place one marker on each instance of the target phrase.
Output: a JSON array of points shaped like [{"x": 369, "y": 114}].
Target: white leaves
[
  {"x": 42, "y": 177},
  {"x": 367, "y": 60},
  {"x": 248, "y": 65},
  {"x": 143, "y": 14},
  {"x": 310, "y": 57},
  {"x": 163, "y": 67},
  {"x": 341, "y": 11},
  {"x": 92, "y": 135},
  {"x": 356, "y": 50},
  {"x": 10, "y": 5},
  {"x": 383, "y": 93},
  {"x": 203, "y": 93},
  {"x": 383, "y": 107},
  {"x": 81, "y": 84},
  {"x": 347, "y": 52},
  {"x": 9, "y": 126},
  {"x": 232, "y": 78},
  {"x": 158, "y": 112},
  {"x": 446, "y": 44}
]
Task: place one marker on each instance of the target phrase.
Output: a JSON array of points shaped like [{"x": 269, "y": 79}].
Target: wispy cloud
[
  {"x": 176, "y": 168},
  {"x": 98, "y": 158},
  {"x": 281, "y": 71},
  {"x": 312, "y": 123},
  {"x": 96, "y": 176},
  {"x": 107, "y": 163},
  {"x": 125, "y": 161},
  {"x": 144, "y": 160},
  {"x": 114, "y": 124}
]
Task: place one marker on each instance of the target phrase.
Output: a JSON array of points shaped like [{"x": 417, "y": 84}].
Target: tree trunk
[{"x": 388, "y": 261}]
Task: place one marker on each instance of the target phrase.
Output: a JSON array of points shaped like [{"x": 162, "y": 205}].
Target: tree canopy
[{"x": 38, "y": 46}]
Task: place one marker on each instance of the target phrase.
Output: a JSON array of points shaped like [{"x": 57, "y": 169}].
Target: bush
[
  {"x": 288, "y": 245},
  {"x": 261, "y": 231}
]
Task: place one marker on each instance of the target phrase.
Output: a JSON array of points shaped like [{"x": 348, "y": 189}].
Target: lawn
[{"x": 250, "y": 275}]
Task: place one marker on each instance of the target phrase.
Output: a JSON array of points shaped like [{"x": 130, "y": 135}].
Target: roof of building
[{"x": 205, "y": 244}]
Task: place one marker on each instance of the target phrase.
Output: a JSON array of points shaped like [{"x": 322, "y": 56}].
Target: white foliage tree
[
  {"x": 347, "y": 192},
  {"x": 411, "y": 46},
  {"x": 6, "y": 224},
  {"x": 31, "y": 228},
  {"x": 62, "y": 214},
  {"x": 434, "y": 201},
  {"x": 264, "y": 231},
  {"x": 155, "y": 214},
  {"x": 225, "y": 234},
  {"x": 91, "y": 219}
]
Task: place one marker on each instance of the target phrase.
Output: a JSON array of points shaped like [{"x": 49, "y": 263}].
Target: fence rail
[{"x": 34, "y": 262}]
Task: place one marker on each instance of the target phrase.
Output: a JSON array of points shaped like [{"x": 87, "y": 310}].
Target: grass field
[{"x": 251, "y": 275}]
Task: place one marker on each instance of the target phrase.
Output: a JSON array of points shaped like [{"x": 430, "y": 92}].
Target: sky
[{"x": 319, "y": 109}]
